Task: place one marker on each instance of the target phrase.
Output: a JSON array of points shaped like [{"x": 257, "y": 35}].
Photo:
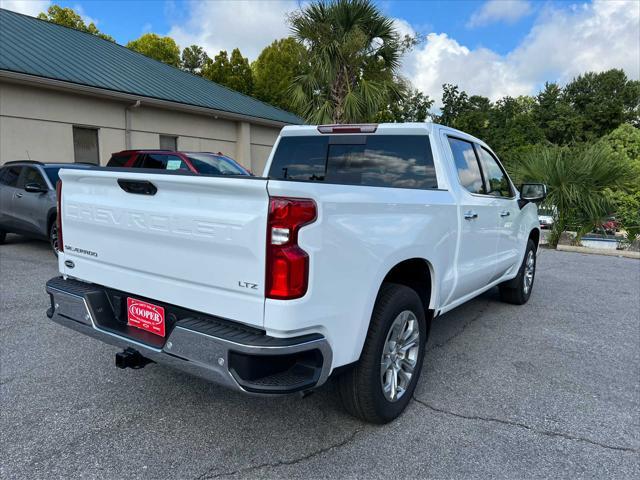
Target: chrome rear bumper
[{"x": 244, "y": 361}]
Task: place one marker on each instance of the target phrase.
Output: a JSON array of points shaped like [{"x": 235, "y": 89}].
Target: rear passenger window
[
  {"x": 497, "y": 181},
  {"x": 118, "y": 160},
  {"x": 400, "y": 161},
  {"x": 163, "y": 162},
  {"x": 300, "y": 158},
  {"x": 9, "y": 176},
  {"x": 467, "y": 165}
]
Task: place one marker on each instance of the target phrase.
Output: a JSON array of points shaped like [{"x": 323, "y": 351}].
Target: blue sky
[
  {"x": 488, "y": 47},
  {"x": 125, "y": 20}
]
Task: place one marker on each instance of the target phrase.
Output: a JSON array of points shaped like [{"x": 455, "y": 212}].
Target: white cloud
[
  {"x": 481, "y": 71},
  {"x": 562, "y": 44},
  {"x": 28, "y": 7},
  {"x": 225, "y": 25},
  {"x": 403, "y": 27},
  {"x": 508, "y": 11}
]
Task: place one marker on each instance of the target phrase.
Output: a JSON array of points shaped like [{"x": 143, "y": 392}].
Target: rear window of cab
[{"x": 399, "y": 161}]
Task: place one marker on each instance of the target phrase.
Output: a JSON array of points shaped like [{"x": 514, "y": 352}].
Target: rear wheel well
[{"x": 415, "y": 274}]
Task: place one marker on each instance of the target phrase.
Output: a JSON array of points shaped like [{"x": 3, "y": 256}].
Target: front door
[
  {"x": 31, "y": 207},
  {"x": 8, "y": 191},
  {"x": 478, "y": 223},
  {"x": 499, "y": 186}
]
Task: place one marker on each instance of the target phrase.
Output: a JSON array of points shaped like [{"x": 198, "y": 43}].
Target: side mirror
[
  {"x": 533, "y": 192},
  {"x": 35, "y": 188}
]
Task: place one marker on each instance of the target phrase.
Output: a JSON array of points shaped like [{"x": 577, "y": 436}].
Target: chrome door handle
[
  {"x": 505, "y": 213},
  {"x": 17, "y": 195},
  {"x": 470, "y": 215}
]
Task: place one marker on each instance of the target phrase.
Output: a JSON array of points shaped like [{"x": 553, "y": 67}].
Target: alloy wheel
[
  {"x": 529, "y": 271},
  {"x": 400, "y": 355}
]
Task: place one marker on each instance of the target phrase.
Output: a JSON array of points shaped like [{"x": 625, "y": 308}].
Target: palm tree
[
  {"x": 354, "y": 57},
  {"x": 578, "y": 179}
]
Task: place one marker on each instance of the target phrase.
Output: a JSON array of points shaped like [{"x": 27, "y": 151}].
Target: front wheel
[
  {"x": 379, "y": 387},
  {"x": 518, "y": 290}
]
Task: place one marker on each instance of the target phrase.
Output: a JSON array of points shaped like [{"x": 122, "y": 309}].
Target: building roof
[{"x": 37, "y": 47}]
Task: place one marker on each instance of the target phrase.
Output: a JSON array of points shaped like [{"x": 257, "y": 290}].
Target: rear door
[
  {"x": 192, "y": 241},
  {"x": 478, "y": 222}
]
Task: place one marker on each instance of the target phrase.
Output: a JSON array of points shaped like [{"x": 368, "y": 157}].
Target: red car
[
  {"x": 610, "y": 226},
  {"x": 196, "y": 162}
]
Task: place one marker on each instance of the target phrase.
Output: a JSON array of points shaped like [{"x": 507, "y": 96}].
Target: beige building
[{"x": 60, "y": 105}]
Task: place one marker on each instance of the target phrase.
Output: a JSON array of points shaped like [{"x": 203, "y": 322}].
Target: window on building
[
  {"x": 497, "y": 181},
  {"x": 168, "y": 142},
  {"x": 467, "y": 165},
  {"x": 85, "y": 145}
]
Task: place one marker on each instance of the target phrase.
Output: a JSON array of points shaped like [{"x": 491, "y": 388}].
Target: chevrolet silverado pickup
[{"x": 334, "y": 262}]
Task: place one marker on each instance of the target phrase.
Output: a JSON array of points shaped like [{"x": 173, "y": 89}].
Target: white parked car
[
  {"x": 335, "y": 262},
  {"x": 546, "y": 221}
]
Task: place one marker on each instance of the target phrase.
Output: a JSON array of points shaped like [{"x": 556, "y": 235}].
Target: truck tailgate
[{"x": 198, "y": 242}]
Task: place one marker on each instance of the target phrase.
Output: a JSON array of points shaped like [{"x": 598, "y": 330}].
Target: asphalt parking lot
[{"x": 551, "y": 389}]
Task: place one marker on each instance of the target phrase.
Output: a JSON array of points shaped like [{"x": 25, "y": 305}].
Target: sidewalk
[{"x": 599, "y": 251}]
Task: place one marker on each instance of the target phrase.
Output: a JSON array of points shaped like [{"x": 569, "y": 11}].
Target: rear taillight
[
  {"x": 287, "y": 272},
  {"x": 59, "y": 214}
]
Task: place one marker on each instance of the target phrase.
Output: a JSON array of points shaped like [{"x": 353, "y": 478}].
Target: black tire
[
  {"x": 3, "y": 236},
  {"x": 514, "y": 291},
  {"x": 53, "y": 238},
  {"x": 361, "y": 387}
]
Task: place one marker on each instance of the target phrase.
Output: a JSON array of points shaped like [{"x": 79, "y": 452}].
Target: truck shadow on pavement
[{"x": 444, "y": 329}]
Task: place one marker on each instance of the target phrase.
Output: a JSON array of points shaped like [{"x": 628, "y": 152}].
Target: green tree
[
  {"x": 476, "y": 118},
  {"x": 468, "y": 113},
  {"x": 354, "y": 56},
  {"x": 454, "y": 103},
  {"x": 603, "y": 101},
  {"x": 559, "y": 122},
  {"x": 217, "y": 69},
  {"x": 234, "y": 72},
  {"x": 623, "y": 145},
  {"x": 193, "y": 59},
  {"x": 579, "y": 179},
  {"x": 163, "y": 49},
  {"x": 627, "y": 212},
  {"x": 275, "y": 69},
  {"x": 69, "y": 18},
  {"x": 413, "y": 107},
  {"x": 512, "y": 130}
]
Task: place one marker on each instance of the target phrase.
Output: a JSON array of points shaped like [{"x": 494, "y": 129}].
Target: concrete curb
[{"x": 597, "y": 251}]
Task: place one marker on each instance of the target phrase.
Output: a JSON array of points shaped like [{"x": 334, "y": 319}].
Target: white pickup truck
[{"x": 334, "y": 262}]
